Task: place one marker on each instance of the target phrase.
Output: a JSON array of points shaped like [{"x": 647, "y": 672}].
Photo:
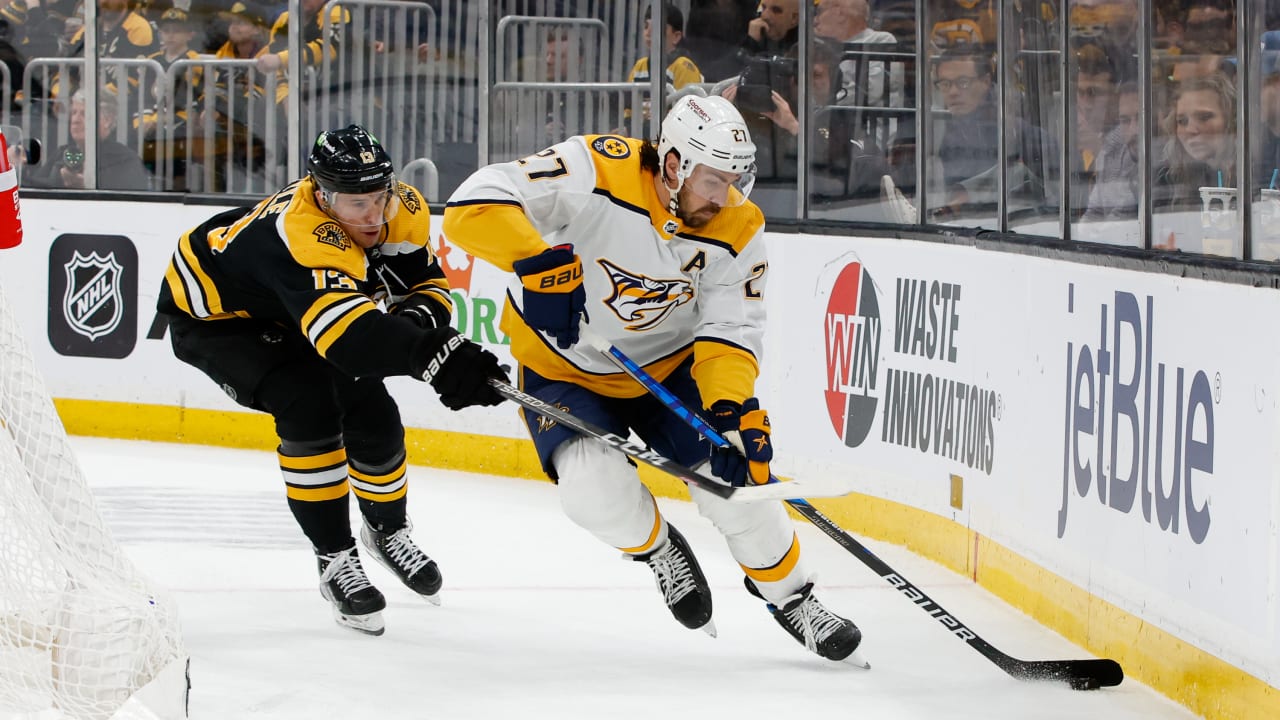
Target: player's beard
[{"x": 698, "y": 218}]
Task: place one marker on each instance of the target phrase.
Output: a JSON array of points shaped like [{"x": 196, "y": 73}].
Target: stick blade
[
  {"x": 1078, "y": 674},
  {"x": 817, "y": 486}
]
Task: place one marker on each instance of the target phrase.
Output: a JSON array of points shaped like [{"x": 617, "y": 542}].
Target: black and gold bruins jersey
[{"x": 285, "y": 261}]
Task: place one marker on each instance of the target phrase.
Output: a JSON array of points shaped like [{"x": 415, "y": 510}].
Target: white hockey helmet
[{"x": 710, "y": 131}]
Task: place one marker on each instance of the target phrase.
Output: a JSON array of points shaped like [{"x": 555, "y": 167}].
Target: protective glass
[
  {"x": 723, "y": 188},
  {"x": 362, "y": 210}
]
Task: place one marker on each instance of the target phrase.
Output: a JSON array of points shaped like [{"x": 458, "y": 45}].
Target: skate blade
[
  {"x": 855, "y": 659},
  {"x": 370, "y": 624},
  {"x": 709, "y": 628},
  {"x": 433, "y": 599}
]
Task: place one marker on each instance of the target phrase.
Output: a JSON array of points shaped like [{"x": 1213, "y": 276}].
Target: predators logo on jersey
[
  {"x": 642, "y": 301},
  {"x": 611, "y": 146},
  {"x": 409, "y": 198},
  {"x": 331, "y": 233}
]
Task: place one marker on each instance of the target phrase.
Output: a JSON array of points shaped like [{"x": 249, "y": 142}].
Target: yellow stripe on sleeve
[
  {"x": 496, "y": 232},
  {"x": 723, "y": 372},
  {"x": 335, "y": 331}
]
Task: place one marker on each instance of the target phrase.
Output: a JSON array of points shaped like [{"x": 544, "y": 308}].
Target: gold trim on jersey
[
  {"x": 779, "y": 570},
  {"x": 192, "y": 288},
  {"x": 621, "y": 179},
  {"x": 647, "y": 545},
  {"x": 331, "y": 314}
]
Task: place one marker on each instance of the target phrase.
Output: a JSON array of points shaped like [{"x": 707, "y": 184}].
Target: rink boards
[{"x": 1095, "y": 445}]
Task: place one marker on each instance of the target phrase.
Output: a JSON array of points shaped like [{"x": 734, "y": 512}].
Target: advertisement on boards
[{"x": 1114, "y": 427}]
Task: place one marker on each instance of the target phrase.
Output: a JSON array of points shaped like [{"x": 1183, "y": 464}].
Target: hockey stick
[
  {"x": 1088, "y": 674},
  {"x": 643, "y": 453}
]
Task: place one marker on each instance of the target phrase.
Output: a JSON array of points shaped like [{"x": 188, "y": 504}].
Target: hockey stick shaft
[
  {"x": 623, "y": 445},
  {"x": 1079, "y": 674}
]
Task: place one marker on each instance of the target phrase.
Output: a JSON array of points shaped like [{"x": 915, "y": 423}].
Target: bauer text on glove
[
  {"x": 746, "y": 427},
  {"x": 553, "y": 293},
  {"x": 459, "y": 369}
]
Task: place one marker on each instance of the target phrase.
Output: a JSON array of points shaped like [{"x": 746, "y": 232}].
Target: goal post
[{"x": 83, "y": 634}]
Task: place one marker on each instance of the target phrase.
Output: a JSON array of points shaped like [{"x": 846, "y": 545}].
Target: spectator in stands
[
  {"x": 37, "y": 25},
  {"x": 713, "y": 35},
  {"x": 963, "y": 24},
  {"x": 12, "y": 59},
  {"x": 1201, "y": 152},
  {"x": 775, "y": 30},
  {"x": 1115, "y": 186},
  {"x": 846, "y": 21},
  {"x": 317, "y": 40},
  {"x": 1112, "y": 25},
  {"x": 843, "y": 162},
  {"x": 681, "y": 70},
  {"x": 1268, "y": 153},
  {"x": 122, "y": 33},
  {"x": 176, "y": 34},
  {"x": 1095, "y": 95},
  {"x": 247, "y": 27},
  {"x": 969, "y": 148},
  {"x": 119, "y": 168}
]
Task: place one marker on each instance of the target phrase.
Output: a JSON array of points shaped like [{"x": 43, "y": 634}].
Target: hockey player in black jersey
[{"x": 279, "y": 304}]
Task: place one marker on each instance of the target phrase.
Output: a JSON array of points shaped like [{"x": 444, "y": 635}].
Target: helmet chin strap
[{"x": 673, "y": 201}]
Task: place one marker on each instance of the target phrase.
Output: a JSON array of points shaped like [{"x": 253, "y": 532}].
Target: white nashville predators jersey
[{"x": 656, "y": 289}]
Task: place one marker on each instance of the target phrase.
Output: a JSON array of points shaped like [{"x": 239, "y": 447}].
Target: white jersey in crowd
[{"x": 655, "y": 288}]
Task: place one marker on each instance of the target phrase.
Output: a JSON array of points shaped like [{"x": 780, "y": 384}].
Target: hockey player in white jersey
[{"x": 658, "y": 251}]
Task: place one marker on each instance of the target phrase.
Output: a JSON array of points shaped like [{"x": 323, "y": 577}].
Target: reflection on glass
[
  {"x": 1104, "y": 173},
  {"x": 1033, "y": 101},
  {"x": 1266, "y": 149}
]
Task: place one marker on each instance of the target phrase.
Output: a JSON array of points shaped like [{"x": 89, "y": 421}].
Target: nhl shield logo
[{"x": 92, "y": 302}]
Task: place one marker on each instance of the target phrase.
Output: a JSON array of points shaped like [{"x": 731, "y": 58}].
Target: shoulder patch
[
  {"x": 611, "y": 146},
  {"x": 331, "y": 233},
  {"x": 409, "y": 198}
]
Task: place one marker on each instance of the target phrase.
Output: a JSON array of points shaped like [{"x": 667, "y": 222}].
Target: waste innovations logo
[
  {"x": 93, "y": 291},
  {"x": 851, "y": 330},
  {"x": 921, "y": 403}
]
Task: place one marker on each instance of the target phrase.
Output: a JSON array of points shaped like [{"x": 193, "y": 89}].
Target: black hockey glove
[
  {"x": 425, "y": 312},
  {"x": 746, "y": 427},
  {"x": 459, "y": 370},
  {"x": 553, "y": 294}
]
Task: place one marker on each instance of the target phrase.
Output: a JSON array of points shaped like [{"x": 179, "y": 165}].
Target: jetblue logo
[{"x": 1139, "y": 430}]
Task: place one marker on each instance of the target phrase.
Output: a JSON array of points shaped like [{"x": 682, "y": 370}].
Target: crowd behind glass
[{"x": 1103, "y": 121}]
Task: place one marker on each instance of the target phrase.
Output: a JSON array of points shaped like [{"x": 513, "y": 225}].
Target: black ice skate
[
  {"x": 357, "y": 604},
  {"x": 396, "y": 551},
  {"x": 817, "y": 628},
  {"x": 683, "y": 586}
]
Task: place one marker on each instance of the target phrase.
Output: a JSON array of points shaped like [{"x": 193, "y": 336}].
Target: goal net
[{"x": 82, "y": 633}]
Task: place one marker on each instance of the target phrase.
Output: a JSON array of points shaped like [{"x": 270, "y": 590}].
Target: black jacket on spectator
[
  {"x": 119, "y": 168},
  {"x": 713, "y": 33}
]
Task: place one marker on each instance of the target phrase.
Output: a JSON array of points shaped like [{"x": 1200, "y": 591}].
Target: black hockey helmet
[{"x": 350, "y": 160}]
